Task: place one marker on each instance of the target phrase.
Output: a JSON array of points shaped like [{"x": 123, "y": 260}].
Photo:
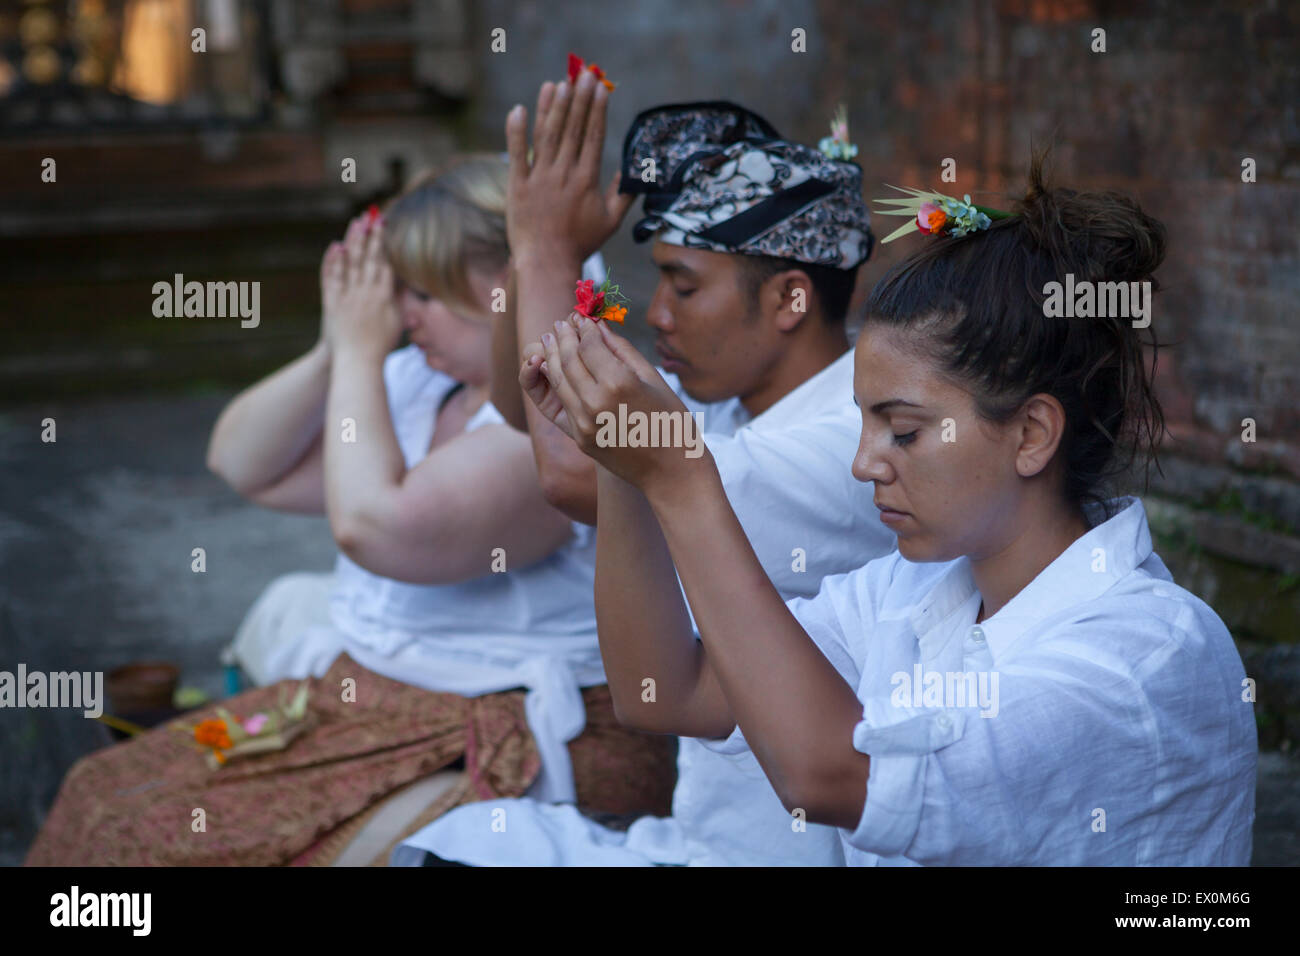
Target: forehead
[
  {"x": 885, "y": 368},
  {"x": 701, "y": 262}
]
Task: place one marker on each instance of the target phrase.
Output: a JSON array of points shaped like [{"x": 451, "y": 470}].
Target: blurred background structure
[{"x": 227, "y": 165}]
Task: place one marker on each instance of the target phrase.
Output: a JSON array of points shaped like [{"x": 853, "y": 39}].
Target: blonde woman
[{"x": 459, "y": 627}]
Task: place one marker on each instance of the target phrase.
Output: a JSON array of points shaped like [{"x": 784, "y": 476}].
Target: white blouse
[
  {"x": 531, "y": 627},
  {"x": 1099, "y": 718},
  {"x": 787, "y": 474}
]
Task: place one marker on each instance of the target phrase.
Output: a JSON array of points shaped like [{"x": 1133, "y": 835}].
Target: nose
[
  {"x": 869, "y": 464},
  {"x": 657, "y": 315},
  {"x": 408, "y": 310}
]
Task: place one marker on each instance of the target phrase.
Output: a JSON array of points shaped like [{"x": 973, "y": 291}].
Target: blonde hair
[{"x": 446, "y": 221}]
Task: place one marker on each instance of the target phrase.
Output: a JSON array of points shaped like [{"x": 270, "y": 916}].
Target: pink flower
[
  {"x": 930, "y": 218},
  {"x": 255, "y": 724}
]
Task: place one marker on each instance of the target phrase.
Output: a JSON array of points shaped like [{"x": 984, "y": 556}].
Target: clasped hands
[
  {"x": 590, "y": 382},
  {"x": 357, "y": 292}
]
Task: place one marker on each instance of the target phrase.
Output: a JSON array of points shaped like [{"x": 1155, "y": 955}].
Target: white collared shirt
[
  {"x": 787, "y": 474},
  {"x": 1097, "y": 719}
]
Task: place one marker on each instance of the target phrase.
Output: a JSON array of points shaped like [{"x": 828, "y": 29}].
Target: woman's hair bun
[{"x": 1097, "y": 236}]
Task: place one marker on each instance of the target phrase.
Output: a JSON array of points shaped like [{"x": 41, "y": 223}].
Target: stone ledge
[{"x": 1227, "y": 536}]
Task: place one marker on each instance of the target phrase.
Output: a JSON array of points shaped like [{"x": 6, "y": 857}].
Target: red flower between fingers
[
  {"x": 575, "y": 67},
  {"x": 599, "y": 303},
  {"x": 588, "y": 302}
]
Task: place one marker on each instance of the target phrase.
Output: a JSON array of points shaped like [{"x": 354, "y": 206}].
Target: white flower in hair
[{"x": 837, "y": 145}]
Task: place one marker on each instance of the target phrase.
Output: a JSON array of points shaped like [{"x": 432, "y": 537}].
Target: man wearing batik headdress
[{"x": 757, "y": 241}]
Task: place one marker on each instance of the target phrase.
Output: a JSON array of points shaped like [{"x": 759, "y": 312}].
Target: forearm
[
  {"x": 796, "y": 711},
  {"x": 505, "y": 393},
  {"x": 267, "y": 428},
  {"x": 644, "y": 630},
  {"x": 545, "y": 287},
  {"x": 364, "y": 472}
]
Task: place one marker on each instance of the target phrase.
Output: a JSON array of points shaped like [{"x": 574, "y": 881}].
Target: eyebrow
[
  {"x": 881, "y": 407},
  {"x": 676, "y": 266}
]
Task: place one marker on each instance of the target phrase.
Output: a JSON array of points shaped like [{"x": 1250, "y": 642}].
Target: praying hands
[
  {"x": 357, "y": 292},
  {"x": 590, "y": 382}
]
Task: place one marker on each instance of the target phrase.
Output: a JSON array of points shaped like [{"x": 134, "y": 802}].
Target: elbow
[
  {"x": 568, "y": 493},
  {"x": 351, "y": 535},
  {"x": 214, "y": 465},
  {"x": 365, "y": 541},
  {"x": 635, "y": 714},
  {"x": 819, "y": 798},
  {"x": 219, "y": 465}
]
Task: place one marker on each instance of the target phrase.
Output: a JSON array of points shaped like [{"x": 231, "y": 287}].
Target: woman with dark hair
[{"x": 1023, "y": 683}]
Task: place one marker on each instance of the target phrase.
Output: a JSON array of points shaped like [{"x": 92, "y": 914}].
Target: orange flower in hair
[{"x": 930, "y": 218}]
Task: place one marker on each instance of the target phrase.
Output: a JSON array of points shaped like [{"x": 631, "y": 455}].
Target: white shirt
[
  {"x": 787, "y": 475},
  {"x": 531, "y": 627},
  {"x": 1115, "y": 733}
]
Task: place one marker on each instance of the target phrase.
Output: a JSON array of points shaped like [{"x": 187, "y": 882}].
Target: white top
[
  {"x": 786, "y": 473},
  {"x": 532, "y": 627},
  {"x": 1107, "y": 724}
]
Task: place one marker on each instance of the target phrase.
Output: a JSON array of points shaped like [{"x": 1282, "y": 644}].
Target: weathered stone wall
[{"x": 1184, "y": 92}]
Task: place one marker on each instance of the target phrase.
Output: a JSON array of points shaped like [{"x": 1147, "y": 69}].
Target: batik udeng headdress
[{"x": 718, "y": 176}]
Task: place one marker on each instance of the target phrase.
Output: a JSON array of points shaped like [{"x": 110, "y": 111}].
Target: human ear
[
  {"x": 1041, "y": 432},
  {"x": 793, "y": 296}
]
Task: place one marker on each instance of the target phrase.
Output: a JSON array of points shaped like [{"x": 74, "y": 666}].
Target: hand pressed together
[{"x": 357, "y": 292}]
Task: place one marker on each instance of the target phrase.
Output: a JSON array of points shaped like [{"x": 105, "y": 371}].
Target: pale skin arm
[
  {"x": 440, "y": 521},
  {"x": 759, "y": 665},
  {"x": 266, "y": 443},
  {"x": 557, "y": 216}
]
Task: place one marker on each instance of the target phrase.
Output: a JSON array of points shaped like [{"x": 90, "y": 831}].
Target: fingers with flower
[
  {"x": 595, "y": 376},
  {"x": 575, "y": 68},
  {"x": 600, "y": 303}
]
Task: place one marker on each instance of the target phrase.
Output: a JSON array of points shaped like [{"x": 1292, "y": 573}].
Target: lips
[
  {"x": 891, "y": 516},
  {"x": 669, "y": 357}
]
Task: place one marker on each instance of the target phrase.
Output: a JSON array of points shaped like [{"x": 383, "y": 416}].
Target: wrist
[
  {"x": 357, "y": 352},
  {"x": 687, "y": 491},
  {"x": 547, "y": 258}
]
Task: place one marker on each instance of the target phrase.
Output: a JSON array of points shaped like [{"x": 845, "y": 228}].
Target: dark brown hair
[
  {"x": 976, "y": 304},
  {"x": 832, "y": 287}
]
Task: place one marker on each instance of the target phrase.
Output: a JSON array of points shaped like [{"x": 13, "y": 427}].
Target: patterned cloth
[
  {"x": 134, "y": 804},
  {"x": 717, "y": 176}
]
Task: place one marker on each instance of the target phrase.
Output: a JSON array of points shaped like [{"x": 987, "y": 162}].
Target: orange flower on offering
[
  {"x": 213, "y": 733},
  {"x": 227, "y": 736},
  {"x": 930, "y": 218}
]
